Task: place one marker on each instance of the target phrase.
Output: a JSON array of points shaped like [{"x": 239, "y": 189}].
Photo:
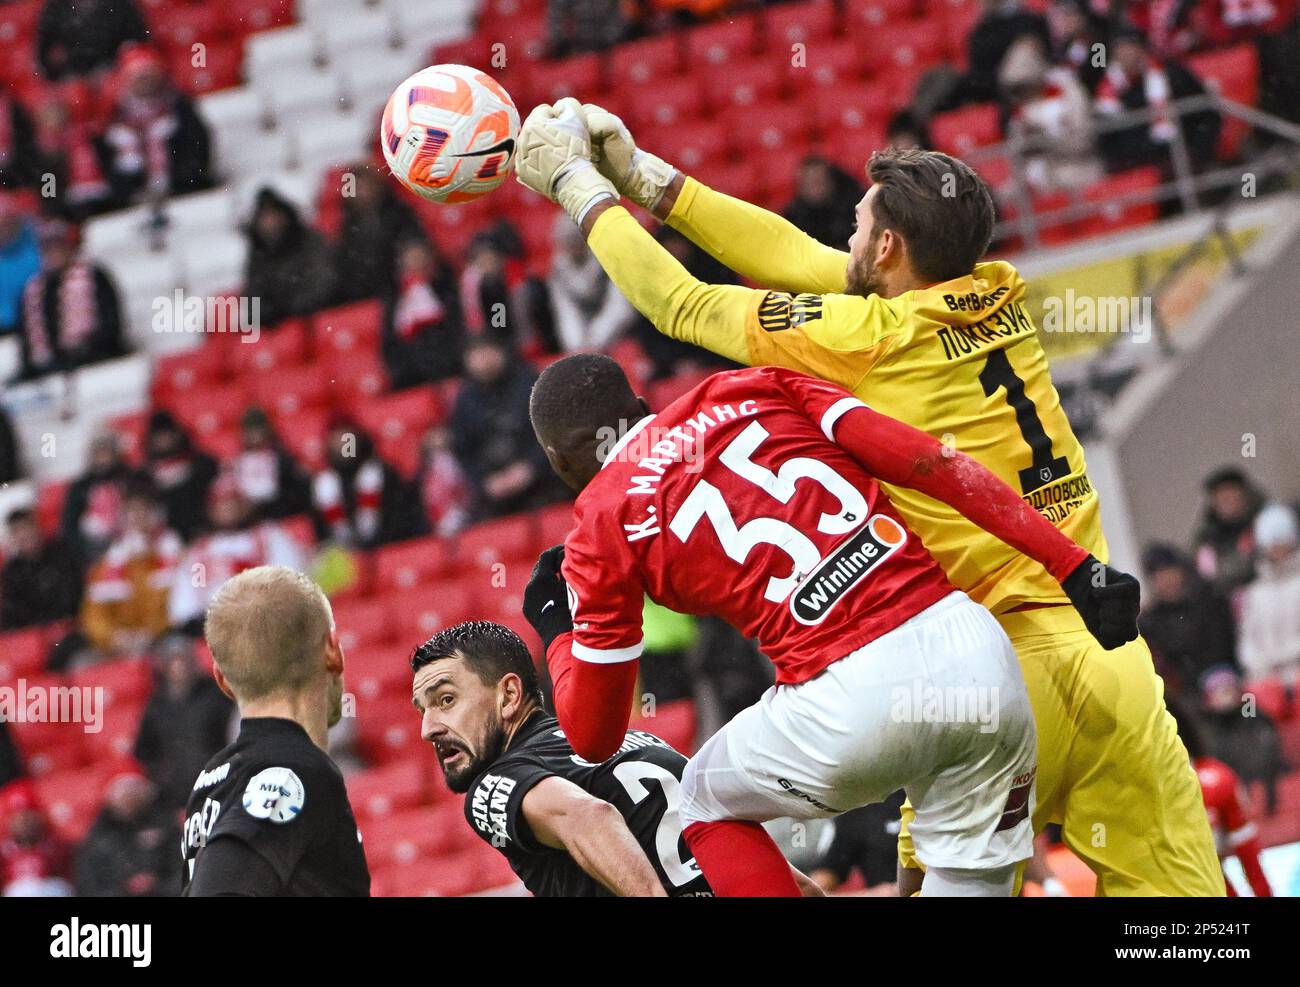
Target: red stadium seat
[
  {"x": 501, "y": 540},
  {"x": 355, "y": 376},
  {"x": 372, "y": 671},
  {"x": 284, "y": 346},
  {"x": 829, "y": 63},
  {"x": 364, "y": 623},
  {"x": 407, "y": 564},
  {"x": 847, "y": 108},
  {"x": 388, "y": 727},
  {"x": 289, "y": 390},
  {"x": 200, "y": 367},
  {"x": 382, "y": 791},
  {"x": 670, "y": 102},
  {"x": 18, "y": 23},
  {"x": 218, "y": 68},
  {"x": 746, "y": 84},
  {"x": 689, "y": 145},
  {"x": 408, "y": 836},
  {"x": 908, "y": 45},
  {"x": 51, "y": 733},
  {"x": 398, "y": 422},
  {"x": 742, "y": 179},
  {"x": 672, "y": 722},
  {"x": 49, "y": 504},
  {"x": 116, "y": 737},
  {"x": 1115, "y": 214},
  {"x": 181, "y": 25},
  {"x": 769, "y": 126},
  {"x": 579, "y": 76},
  {"x": 1232, "y": 73},
  {"x": 303, "y": 434},
  {"x": 799, "y": 23},
  {"x": 244, "y": 17},
  {"x": 644, "y": 65},
  {"x": 867, "y": 15},
  {"x": 345, "y": 326},
  {"x": 718, "y": 44},
  {"x": 72, "y": 798},
  {"x": 130, "y": 430},
  {"x": 553, "y": 525},
  {"x": 1271, "y": 697},
  {"x": 209, "y": 410},
  {"x": 125, "y": 680},
  {"x": 22, "y": 653},
  {"x": 958, "y": 132},
  {"x": 419, "y": 613}
]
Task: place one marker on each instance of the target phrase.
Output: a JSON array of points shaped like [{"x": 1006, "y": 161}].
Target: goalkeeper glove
[
  {"x": 546, "y": 598},
  {"x": 639, "y": 175},
  {"x": 554, "y": 159}
]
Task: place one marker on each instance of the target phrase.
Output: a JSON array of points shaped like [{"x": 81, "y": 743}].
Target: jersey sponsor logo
[
  {"x": 488, "y": 808},
  {"x": 781, "y": 310},
  {"x": 845, "y": 568},
  {"x": 276, "y": 795},
  {"x": 974, "y": 301},
  {"x": 207, "y": 779},
  {"x": 798, "y": 793}
]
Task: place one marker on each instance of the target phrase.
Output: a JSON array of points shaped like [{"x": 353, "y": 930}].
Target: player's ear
[
  {"x": 334, "y": 652},
  {"x": 222, "y": 684},
  {"x": 510, "y": 694}
]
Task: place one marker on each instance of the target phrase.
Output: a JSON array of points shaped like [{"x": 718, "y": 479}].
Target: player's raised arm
[
  {"x": 753, "y": 242},
  {"x": 897, "y": 453},
  {"x": 594, "y": 833},
  {"x": 592, "y": 690}
]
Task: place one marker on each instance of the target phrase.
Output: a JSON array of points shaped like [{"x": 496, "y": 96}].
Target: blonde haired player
[{"x": 910, "y": 322}]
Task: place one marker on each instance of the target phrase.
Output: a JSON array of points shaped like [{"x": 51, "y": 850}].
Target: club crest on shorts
[
  {"x": 845, "y": 567},
  {"x": 276, "y": 794}
]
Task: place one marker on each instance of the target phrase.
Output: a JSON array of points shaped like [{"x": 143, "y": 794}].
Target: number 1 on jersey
[{"x": 1043, "y": 467}]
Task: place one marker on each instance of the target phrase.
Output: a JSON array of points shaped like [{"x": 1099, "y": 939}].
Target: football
[{"x": 448, "y": 133}]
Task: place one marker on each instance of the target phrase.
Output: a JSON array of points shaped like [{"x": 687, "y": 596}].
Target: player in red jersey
[
  {"x": 754, "y": 498},
  {"x": 1235, "y": 833}
]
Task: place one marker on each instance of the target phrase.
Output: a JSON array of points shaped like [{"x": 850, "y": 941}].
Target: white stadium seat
[
  {"x": 296, "y": 186},
  {"x": 341, "y": 38},
  {"x": 105, "y": 236},
  {"x": 337, "y": 141},
  {"x": 214, "y": 263},
  {"x": 254, "y": 153},
  {"x": 279, "y": 52},
  {"x": 204, "y": 212},
  {"x": 308, "y": 96}
]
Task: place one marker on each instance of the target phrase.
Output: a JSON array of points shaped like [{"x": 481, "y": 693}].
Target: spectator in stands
[
  {"x": 669, "y": 357},
  {"x": 497, "y": 295},
  {"x": 1187, "y": 623},
  {"x": 590, "y": 313},
  {"x": 18, "y": 159},
  {"x": 1076, "y": 34},
  {"x": 290, "y": 267},
  {"x": 130, "y": 851},
  {"x": 443, "y": 490},
  {"x": 576, "y": 26},
  {"x": 65, "y": 149},
  {"x": 905, "y": 129},
  {"x": 155, "y": 144},
  {"x": 92, "y": 507},
  {"x": 82, "y": 37},
  {"x": 1002, "y": 23},
  {"x": 359, "y": 500},
  {"x": 268, "y": 477},
  {"x": 376, "y": 227},
  {"x": 1269, "y": 642},
  {"x": 180, "y": 472},
  {"x": 1240, "y": 734},
  {"x": 821, "y": 189},
  {"x": 187, "y": 720},
  {"x": 491, "y": 432},
  {"x": 20, "y": 260},
  {"x": 237, "y": 542},
  {"x": 125, "y": 607},
  {"x": 866, "y": 841},
  {"x": 41, "y": 578},
  {"x": 1050, "y": 110},
  {"x": 1225, "y": 542},
  {"x": 71, "y": 315},
  {"x": 35, "y": 862},
  {"x": 423, "y": 330},
  {"x": 1135, "y": 80}
]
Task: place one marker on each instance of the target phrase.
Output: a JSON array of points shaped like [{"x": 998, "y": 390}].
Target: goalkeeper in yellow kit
[{"x": 911, "y": 323}]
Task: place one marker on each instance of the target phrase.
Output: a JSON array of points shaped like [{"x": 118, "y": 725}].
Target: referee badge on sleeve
[{"x": 276, "y": 794}]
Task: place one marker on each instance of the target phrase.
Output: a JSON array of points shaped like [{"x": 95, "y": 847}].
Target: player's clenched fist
[
  {"x": 554, "y": 158},
  {"x": 639, "y": 175},
  {"x": 1107, "y": 599},
  {"x": 546, "y": 598}
]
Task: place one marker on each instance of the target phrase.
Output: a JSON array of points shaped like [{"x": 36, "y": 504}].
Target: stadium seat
[
  {"x": 1272, "y": 698},
  {"x": 958, "y": 132},
  {"x": 688, "y": 145},
  {"x": 670, "y": 102},
  {"x": 867, "y": 15},
  {"x": 644, "y": 65},
  {"x": 50, "y": 735},
  {"x": 799, "y": 23},
  {"x": 364, "y": 623},
  {"x": 116, "y": 737},
  {"x": 72, "y": 798},
  {"x": 771, "y": 126},
  {"x": 673, "y": 722},
  {"x": 219, "y": 67},
  {"x": 747, "y": 83},
  {"x": 579, "y": 76},
  {"x": 49, "y": 506},
  {"x": 397, "y": 424},
  {"x": 356, "y": 375},
  {"x": 303, "y": 433},
  {"x": 203, "y": 366},
  {"x": 1116, "y": 214},
  {"x": 22, "y": 653},
  {"x": 421, "y": 612},
  {"x": 208, "y": 410},
  {"x": 553, "y": 525},
  {"x": 409, "y": 563},
  {"x": 908, "y": 46},
  {"x": 124, "y": 680},
  {"x": 346, "y": 326},
  {"x": 245, "y": 17},
  {"x": 373, "y": 671},
  {"x": 382, "y": 791},
  {"x": 388, "y": 728},
  {"x": 287, "y": 390},
  {"x": 830, "y": 63},
  {"x": 723, "y": 42},
  {"x": 742, "y": 179},
  {"x": 1232, "y": 73},
  {"x": 505, "y": 539}
]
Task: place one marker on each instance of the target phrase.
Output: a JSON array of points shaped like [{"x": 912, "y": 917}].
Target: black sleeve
[
  {"x": 494, "y": 807},
  {"x": 230, "y": 868},
  {"x": 280, "y": 815}
]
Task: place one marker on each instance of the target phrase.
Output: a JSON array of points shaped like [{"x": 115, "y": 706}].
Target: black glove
[
  {"x": 546, "y": 598},
  {"x": 1107, "y": 599}
]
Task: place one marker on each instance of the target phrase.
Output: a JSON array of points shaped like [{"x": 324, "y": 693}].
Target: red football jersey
[{"x": 735, "y": 502}]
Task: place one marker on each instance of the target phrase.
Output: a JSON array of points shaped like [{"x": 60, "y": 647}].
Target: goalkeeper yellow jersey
[{"x": 960, "y": 360}]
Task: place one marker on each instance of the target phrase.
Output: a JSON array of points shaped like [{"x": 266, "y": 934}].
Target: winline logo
[{"x": 845, "y": 567}]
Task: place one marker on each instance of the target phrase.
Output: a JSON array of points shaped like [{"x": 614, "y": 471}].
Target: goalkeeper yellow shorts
[{"x": 1111, "y": 767}]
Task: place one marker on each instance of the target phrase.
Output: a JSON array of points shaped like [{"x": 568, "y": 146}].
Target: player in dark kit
[
  {"x": 269, "y": 815},
  {"x": 568, "y": 827}
]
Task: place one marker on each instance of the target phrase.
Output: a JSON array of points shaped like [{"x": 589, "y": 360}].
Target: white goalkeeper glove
[
  {"x": 554, "y": 158},
  {"x": 639, "y": 175}
]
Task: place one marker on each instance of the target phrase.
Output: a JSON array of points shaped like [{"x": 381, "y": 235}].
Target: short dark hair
[
  {"x": 940, "y": 207},
  {"x": 586, "y": 391},
  {"x": 491, "y": 651}
]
